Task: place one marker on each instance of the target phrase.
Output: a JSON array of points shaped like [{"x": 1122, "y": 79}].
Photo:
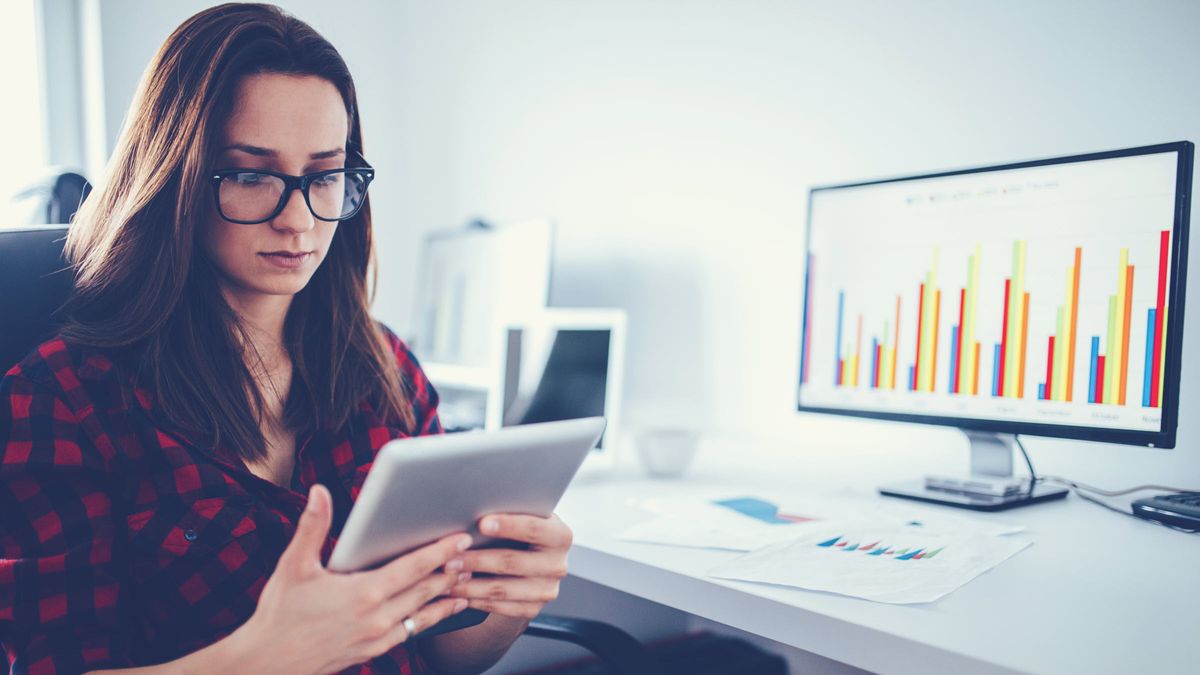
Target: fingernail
[
  {"x": 464, "y": 577},
  {"x": 460, "y": 604},
  {"x": 490, "y": 525},
  {"x": 454, "y": 565},
  {"x": 464, "y": 543}
]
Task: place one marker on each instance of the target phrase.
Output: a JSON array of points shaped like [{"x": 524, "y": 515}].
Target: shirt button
[{"x": 190, "y": 535}]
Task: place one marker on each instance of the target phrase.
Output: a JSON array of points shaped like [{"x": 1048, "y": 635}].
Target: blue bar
[
  {"x": 1149, "y": 357},
  {"x": 908, "y": 556},
  {"x": 910, "y": 379},
  {"x": 837, "y": 354},
  {"x": 874, "y": 361},
  {"x": 1041, "y": 391},
  {"x": 1092, "y": 372},
  {"x": 830, "y": 543},
  {"x": 996, "y": 371},
  {"x": 953, "y": 357}
]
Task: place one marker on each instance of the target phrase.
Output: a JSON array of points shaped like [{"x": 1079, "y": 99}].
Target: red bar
[
  {"x": 937, "y": 314},
  {"x": 1100, "y": 379},
  {"x": 1124, "y": 374},
  {"x": 1003, "y": 340},
  {"x": 920, "y": 313},
  {"x": 1049, "y": 368},
  {"x": 1159, "y": 308},
  {"x": 957, "y": 370},
  {"x": 841, "y": 369},
  {"x": 896, "y": 341}
]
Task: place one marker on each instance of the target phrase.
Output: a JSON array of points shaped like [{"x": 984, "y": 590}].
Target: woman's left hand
[{"x": 525, "y": 580}]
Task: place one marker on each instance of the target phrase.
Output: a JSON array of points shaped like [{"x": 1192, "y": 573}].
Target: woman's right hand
[{"x": 311, "y": 620}]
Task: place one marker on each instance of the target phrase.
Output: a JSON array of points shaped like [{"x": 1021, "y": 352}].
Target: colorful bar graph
[
  {"x": 875, "y": 365},
  {"x": 878, "y": 548}
]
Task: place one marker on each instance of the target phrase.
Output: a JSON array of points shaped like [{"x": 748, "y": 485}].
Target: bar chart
[{"x": 1040, "y": 300}]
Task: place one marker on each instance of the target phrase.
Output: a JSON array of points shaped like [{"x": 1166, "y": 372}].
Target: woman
[{"x": 218, "y": 365}]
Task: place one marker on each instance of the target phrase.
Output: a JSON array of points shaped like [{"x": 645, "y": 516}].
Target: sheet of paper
[
  {"x": 747, "y": 522},
  {"x": 706, "y": 525},
  {"x": 898, "y": 564}
]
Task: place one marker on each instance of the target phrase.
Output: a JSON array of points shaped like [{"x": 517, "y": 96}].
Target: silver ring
[{"x": 410, "y": 626}]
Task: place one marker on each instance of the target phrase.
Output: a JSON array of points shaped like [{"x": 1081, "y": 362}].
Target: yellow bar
[
  {"x": 891, "y": 368},
  {"x": 975, "y": 371},
  {"x": 1162, "y": 363},
  {"x": 1112, "y": 365},
  {"x": 1015, "y": 329},
  {"x": 1062, "y": 339},
  {"x": 925, "y": 376},
  {"x": 972, "y": 304},
  {"x": 1024, "y": 324}
]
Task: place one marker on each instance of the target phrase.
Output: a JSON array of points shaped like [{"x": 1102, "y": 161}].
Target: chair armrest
[{"x": 614, "y": 646}]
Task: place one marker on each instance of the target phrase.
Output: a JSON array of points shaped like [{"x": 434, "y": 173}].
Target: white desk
[{"x": 1096, "y": 593}]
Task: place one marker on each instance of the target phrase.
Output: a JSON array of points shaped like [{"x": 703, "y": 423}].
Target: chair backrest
[
  {"x": 53, "y": 197},
  {"x": 35, "y": 281}
]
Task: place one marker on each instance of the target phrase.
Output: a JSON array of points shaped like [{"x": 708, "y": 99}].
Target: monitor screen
[
  {"x": 553, "y": 373},
  {"x": 1042, "y": 297}
]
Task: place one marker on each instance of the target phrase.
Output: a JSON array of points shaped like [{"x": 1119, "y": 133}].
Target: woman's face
[{"x": 290, "y": 124}]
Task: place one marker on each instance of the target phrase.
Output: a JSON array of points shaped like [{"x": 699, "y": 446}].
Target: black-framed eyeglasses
[{"x": 250, "y": 196}]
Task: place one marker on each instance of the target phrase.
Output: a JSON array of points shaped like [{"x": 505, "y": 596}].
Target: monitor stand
[{"x": 991, "y": 485}]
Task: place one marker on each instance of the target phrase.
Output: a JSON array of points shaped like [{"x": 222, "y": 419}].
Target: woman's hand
[
  {"x": 526, "y": 580},
  {"x": 311, "y": 620}
]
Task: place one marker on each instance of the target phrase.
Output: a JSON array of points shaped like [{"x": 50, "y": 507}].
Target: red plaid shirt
[{"x": 122, "y": 543}]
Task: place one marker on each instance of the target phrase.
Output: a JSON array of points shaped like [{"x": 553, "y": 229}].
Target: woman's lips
[{"x": 287, "y": 260}]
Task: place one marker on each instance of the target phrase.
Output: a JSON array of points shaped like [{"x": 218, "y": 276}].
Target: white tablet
[{"x": 424, "y": 488}]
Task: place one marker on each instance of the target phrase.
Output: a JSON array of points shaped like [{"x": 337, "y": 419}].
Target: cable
[
  {"x": 1075, "y": 485},
  {"x": 1081, "y": 489},
  {"x": 1033, "y": 477}
]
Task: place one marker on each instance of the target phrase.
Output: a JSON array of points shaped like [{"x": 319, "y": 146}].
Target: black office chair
[
  {"x": 35, "y": 281},
  {"x": 53, "y": 197}
]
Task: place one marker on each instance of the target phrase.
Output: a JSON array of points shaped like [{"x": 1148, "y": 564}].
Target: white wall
[{"x": 674, "y": 143}]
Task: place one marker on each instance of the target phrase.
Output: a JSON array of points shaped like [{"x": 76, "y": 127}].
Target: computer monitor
[
  {"x": 563, "y": 364},
  {"x": 1043, "y": 297}
]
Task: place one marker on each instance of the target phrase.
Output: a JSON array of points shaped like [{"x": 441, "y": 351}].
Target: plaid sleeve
[
  {"x": 59, "y": 584},
  {"x": 424, "y": 396}
]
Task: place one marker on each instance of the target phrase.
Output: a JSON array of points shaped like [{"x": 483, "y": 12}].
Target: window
[{"x": 21, "y": 122}]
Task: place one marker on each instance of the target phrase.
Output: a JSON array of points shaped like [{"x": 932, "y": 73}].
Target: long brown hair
[{"x": 144, "y": 287}]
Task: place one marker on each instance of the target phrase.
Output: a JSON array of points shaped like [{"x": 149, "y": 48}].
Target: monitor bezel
[
  {"x": 614, "y": 321},
  {"x": 1165, "y": 437}
]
